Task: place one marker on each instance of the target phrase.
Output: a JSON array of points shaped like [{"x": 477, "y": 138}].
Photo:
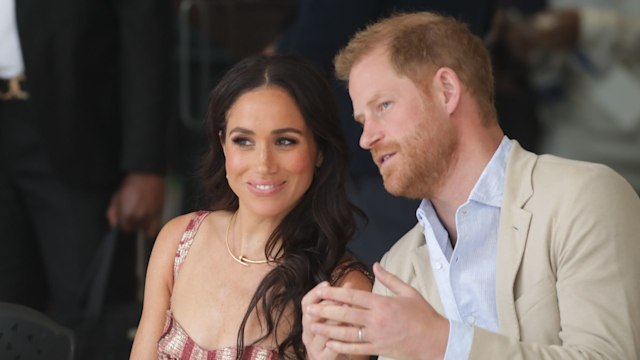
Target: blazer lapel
[
  {"x": 512, "y": 235},
  {"x": 425, "y": 281},
  {"x": 415, "y": 267}
]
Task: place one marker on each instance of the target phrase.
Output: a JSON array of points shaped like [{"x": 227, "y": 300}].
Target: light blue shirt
[{"x": 466, "y": 275}]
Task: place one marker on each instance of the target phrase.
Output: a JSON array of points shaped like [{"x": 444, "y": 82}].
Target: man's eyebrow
[{"x": 359, "y": 116}]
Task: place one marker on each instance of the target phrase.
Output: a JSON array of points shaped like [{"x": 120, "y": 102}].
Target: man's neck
[{"x": 472, "y": 158}]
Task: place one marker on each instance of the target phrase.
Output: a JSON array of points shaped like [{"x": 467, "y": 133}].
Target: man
[
  {"x": 318, "y": 31},
  {"x": 84, "y": 99},
  {"x": 515, "y": 255}
]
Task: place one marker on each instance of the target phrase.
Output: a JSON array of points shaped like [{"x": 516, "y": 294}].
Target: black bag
[{"x": 112, "y": 308}]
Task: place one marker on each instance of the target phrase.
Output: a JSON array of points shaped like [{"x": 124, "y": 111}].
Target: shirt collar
[{"x": 488, "y": 190}]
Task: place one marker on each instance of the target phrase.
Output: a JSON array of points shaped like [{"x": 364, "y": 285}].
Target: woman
[{"x": 279, "y": 222}]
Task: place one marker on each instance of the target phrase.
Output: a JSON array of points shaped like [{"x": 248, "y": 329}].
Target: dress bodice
[{"x": 175, "y": 343}]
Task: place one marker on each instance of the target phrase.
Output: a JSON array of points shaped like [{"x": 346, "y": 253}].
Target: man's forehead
[
  {"x": 367, "y": 72},
  {"x": 378, "y": 54}
]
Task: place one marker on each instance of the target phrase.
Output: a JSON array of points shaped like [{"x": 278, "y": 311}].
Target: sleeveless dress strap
[{"x": 187, "y": 240}]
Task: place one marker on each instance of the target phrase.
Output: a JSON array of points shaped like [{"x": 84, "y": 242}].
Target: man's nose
[{"x": 370, "y": 135}]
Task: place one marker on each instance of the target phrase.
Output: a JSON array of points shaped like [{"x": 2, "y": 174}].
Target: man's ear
[{"x": 448, "y": 87}]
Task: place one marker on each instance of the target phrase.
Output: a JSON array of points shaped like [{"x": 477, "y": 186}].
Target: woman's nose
[{"x": 266, "y": 160}]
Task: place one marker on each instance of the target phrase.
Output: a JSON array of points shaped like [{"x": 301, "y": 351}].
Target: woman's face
[{"x": 270, "y": 152}]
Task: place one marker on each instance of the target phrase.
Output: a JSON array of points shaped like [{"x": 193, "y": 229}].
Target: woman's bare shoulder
[
  {"x": 200, "y": 221},
  {"x": 173, "y": 230}
]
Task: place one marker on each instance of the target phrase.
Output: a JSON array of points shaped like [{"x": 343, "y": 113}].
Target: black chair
[{"x": 27, "y": 334}]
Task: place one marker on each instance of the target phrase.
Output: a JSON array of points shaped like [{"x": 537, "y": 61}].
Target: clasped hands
[{"x": 339, "y": 322}]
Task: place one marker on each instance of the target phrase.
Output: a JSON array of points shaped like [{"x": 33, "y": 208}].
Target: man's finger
[
  {"x": 351, "y": 348},
  {"x": 347, "y": 296},
  {"x": 338, "y": 313},
  {"x": 312, "y": 296},
  {"x": 340, "y": 332},
  {"x": 391, "y": 282},
  {"x": 113, "y": 211}
]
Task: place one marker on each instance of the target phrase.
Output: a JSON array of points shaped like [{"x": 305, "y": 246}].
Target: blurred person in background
[
  {"x": 584, "y": 61},
  {"x": 85, "y": 93}
]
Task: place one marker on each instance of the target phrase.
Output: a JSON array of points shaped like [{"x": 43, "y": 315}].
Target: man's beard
[{"x": 427, "y": 156}]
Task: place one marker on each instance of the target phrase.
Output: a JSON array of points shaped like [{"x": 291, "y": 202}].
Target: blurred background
[{"x": 99, "y": 101}]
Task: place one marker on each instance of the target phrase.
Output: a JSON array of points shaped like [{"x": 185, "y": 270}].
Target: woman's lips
[{"x": 263, "y": 188}]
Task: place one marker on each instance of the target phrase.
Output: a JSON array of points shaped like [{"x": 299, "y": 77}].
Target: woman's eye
[
  {"x": 286, "y": 141},
  {"x": 241, "y": 141}
]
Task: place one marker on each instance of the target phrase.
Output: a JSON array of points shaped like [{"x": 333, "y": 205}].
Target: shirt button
[
  {"x": 471, "y": 320},
  {"x": 437, "y": 265}
]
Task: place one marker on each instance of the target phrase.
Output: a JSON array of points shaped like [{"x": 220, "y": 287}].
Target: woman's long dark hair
[{"x": 314, "y": 234}]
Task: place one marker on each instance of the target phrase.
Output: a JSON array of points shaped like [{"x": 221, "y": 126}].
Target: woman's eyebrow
[{"x": 287, "y": 130}]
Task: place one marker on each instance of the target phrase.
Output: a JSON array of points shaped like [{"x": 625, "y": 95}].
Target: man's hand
[
  {"x": 403, "y": 325},
  {"x": 314, "y": 343},
  {"x": 138, "y": 203}
]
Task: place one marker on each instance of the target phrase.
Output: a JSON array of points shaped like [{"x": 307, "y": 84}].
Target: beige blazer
[{"x": 568, "y": 264}]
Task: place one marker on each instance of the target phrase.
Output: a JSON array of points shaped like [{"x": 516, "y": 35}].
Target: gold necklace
[{"x": 242, "y": 260}]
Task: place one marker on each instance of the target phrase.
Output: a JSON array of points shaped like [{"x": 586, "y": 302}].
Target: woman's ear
[
  {"x": 319, "y": 159},
  {"x": 448, "y": 86}
]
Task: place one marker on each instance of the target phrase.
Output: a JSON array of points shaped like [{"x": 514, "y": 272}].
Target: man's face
[{"x": 408, "y": 133}]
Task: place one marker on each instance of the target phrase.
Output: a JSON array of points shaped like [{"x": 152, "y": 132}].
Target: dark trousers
[{"x": 49, "y": 231}]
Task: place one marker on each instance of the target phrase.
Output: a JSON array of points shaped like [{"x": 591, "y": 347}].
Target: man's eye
[{"x": 383, "y": 107}]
